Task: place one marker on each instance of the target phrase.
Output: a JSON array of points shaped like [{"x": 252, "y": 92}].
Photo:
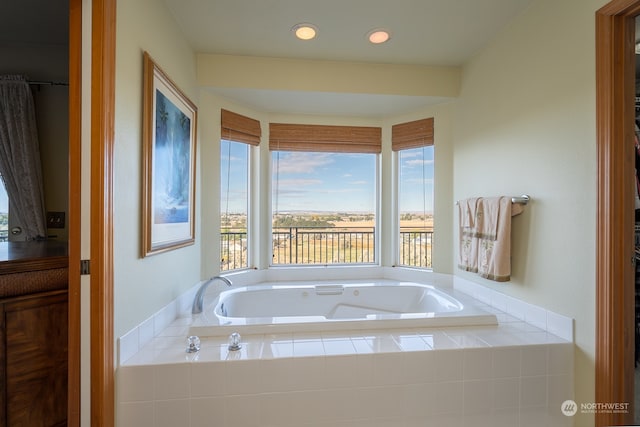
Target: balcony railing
[
  {"x": 233, "y": 250},
  {"x": 319, "y": 245},
  {"x": 416, "y": 245},
  {"x": 322, "y": 246}
]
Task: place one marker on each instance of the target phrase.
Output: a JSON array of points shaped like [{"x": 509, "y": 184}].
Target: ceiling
[{"x": 423, "y": 32}]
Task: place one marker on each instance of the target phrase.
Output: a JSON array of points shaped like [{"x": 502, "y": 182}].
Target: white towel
[
  {"x": 468, "y": 251},
  {"x": 486, "y": 248}
]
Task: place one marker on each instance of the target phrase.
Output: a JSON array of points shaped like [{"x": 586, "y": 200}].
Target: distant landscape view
[{"x": 323, "y": 238}]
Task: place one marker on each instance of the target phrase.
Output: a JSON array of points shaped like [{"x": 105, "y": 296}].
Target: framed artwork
[{"x": 169, "y": 151}]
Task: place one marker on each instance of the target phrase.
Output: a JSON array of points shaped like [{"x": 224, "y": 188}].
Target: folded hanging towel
[
  {"x": 490, "y": 241},
  {"x": 468, "y": 251}
]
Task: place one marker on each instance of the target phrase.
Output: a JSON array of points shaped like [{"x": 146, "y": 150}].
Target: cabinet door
[{"x": 36, "y": 360}]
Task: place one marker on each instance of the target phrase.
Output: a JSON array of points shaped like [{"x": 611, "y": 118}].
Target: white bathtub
[{"x": 336, "y": 305}]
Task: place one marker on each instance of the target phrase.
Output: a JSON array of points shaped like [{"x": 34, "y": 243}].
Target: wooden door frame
[
  {"x": 103, "y": 48},
  {"x": 615, "y": 294},
  {"x": 75, "y": 164}
]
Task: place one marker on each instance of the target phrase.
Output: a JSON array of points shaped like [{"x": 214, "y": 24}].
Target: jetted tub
[{"x": 328, "y": 306}]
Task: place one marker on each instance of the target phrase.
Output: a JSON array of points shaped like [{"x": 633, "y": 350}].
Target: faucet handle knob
[
  {"x": 193, "y": 344},
  {"x": 234, "y": 342}
]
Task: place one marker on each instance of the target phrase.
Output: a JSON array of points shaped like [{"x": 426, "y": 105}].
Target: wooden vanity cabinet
[
  {"x": 34, "y": 352},
  {"x": 33, "y": 335}
]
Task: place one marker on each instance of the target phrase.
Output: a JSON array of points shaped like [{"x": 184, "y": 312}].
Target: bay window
[
  {"x": 413, "y": 143},
  {"x": 238, "y": 135}
]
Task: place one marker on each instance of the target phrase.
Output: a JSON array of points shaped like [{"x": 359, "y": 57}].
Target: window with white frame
[
  {"x": 324, "y": 184},
  {"x": 413, "y": 143},
  {"x": 238, "y": 133},
  {"x": 234, "y": 204}
]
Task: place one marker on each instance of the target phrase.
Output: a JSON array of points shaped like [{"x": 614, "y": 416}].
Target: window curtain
[
  {"x": 418, "y": 133},
  {"x": 324, "y": 138},
  {"x": 20, "y": 156},
  {"x": 239, "y": 128}
]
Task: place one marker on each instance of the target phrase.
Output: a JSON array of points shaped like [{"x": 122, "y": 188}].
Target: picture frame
[{"x": 169, "y": 163}]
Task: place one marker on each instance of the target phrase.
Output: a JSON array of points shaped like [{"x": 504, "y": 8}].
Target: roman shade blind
[
  {"x": 239, "y": 128},
  {"x": 418, "y": 133},
  {"x": 324, "y": 138}
]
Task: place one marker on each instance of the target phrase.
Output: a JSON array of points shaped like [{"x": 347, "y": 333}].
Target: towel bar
[{"x": 523, "y": 200}]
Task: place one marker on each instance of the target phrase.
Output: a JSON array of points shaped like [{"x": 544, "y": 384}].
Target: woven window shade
[
  {"x": 322, "y": 138},
  {"x": 414, "y": 134},
  {"x": 239, "y": 128}
]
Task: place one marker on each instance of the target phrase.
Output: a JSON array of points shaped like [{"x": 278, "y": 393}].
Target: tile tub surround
[
  {"x": 513, "y": 374},
  {"x": 134, "y": 340}
]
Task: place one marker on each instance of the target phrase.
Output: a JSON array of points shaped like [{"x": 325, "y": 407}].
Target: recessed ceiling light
[
  {"x": 305, "y": 31},
  {"x": 378, "y": 36}
]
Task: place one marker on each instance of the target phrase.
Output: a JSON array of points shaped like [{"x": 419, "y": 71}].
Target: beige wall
[
  {"x": 326, "y": 76},
  {"x": 525, "y": 124},
  {"x": 145, "y": 285}
]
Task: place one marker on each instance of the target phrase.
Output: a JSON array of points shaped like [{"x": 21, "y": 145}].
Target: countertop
[
  {"x": 18, "y": 257},
  {"x": 30, "y": 267}
]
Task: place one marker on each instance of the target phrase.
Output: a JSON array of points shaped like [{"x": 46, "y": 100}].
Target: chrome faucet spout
[{"x": 197, "y": 301}]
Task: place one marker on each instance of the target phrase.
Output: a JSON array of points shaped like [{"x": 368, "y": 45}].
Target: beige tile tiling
[
  {"x": 174, "y": 331},
  {"x": 533, "y": 391},
  {"x": 362, "y": 345},
  {"x": 135, "y": 413},
  {"x": 206, "y": 412},
  {"x": 466, "y": 340},
  {"x": 506, "y": 362},
  {"x": 477, "y": 363},
  {"x": 506, "y": 393},
  {"x": 171, "y": 381},
  {"x": 410, "y": 342},
  {"x": 334, "y": 347},
  {"x": 449, "y": 365},
  {"x": 208, "y": 379},
  {"x": 534, "y": 360},
  {"x": 438, "y": 340},
  {"x": 308, "y": 348},
  {"x": 135, "y": 383},
  {"x": 418, "y": 366},
  {"x": 341, "y": 371}
]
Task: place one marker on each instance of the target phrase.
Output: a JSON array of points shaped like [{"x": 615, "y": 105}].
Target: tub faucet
[{"x": 197, "y": 302}]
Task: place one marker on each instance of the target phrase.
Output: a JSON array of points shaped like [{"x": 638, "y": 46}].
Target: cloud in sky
[
  {"x": 296, "y": 183},
  {"x": 418, "y": 162},
  {"x": 295, "y": 162},
  {"x": 419, "y": 181}
]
